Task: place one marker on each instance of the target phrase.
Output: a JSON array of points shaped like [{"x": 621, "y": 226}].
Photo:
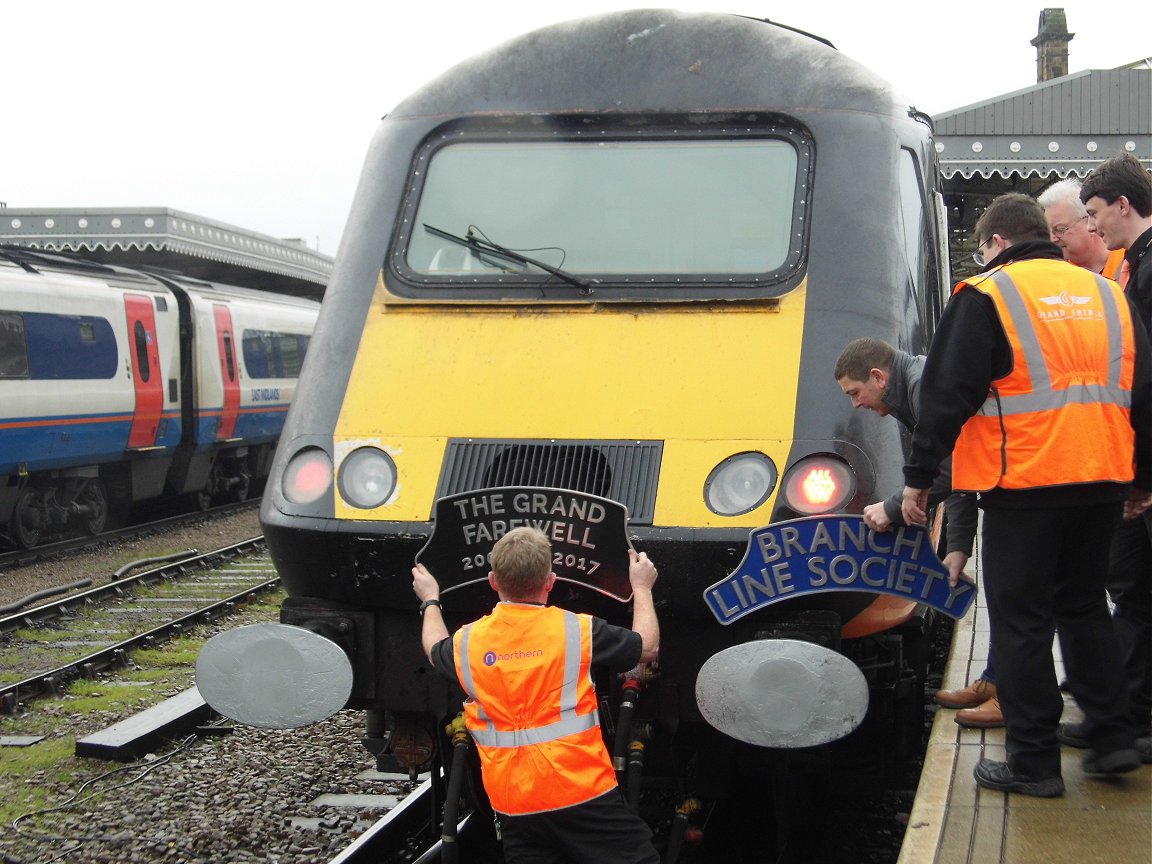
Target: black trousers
[
  {"x": 1045, "y": 570},
  {"x": 1130, "y": 586},
  {"x": 600, "y": 831}
]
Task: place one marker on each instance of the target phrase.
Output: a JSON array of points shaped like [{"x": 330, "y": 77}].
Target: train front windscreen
[{"x": 614, "y": 209}]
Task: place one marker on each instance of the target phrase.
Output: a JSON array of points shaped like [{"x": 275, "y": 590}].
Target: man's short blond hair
[{"x": 522, "y": 560}]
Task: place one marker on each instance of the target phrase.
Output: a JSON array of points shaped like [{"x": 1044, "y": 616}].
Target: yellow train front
[{"x": 621, "y": 256}]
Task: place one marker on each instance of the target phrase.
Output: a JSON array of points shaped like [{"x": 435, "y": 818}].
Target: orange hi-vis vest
[
  {"x": 1114, "y": 266},
  {"x": 1062, "y": 415},
  {"x": 532, "y": 707}
]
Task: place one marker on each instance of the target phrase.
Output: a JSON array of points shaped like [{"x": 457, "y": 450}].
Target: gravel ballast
[{"x": 247, "y": 796}]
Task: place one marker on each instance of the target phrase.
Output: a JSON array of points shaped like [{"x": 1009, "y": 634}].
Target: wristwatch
[{"x": 432, "y": 602}]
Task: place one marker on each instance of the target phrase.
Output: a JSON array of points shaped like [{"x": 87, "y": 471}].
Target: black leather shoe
[
  {"x": 1113, "y": 762},
  {"x": 1144, "y": 748},
  {"x": 998, "y": 776},
  {"x": 1073, "y": 735}
]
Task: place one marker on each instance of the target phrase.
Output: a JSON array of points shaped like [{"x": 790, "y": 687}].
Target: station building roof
[
  {"x": 1064, "y": 126},
  {"x": 171, "y": 239}
]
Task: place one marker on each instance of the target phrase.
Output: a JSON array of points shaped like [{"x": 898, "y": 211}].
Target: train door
[
  {"x": 229, "y": 371},
  {"x": 147, "y": 377}
]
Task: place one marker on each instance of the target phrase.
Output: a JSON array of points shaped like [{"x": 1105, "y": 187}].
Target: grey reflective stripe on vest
[
  {"x": 537, "y": 734},
  {"x": 569, "y": 691},
  {"x": 466, "y": 671},
  {"x": 465, "y": 667},
  {"x": 569, "y": 723},
  {"x": 1043, "y": 397}
]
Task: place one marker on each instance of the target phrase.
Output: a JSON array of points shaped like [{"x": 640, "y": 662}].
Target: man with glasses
[
  {"x": 1039, "y": 384},
  {"x": 1068, "y": 228}
]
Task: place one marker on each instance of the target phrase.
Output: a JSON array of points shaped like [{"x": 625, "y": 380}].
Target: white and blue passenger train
[{"x": 119, "y": 386}]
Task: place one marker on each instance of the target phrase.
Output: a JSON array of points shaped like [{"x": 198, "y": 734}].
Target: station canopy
[
  {"x": 1064, "y": 126},
  {"x": 173, "y": 240}
]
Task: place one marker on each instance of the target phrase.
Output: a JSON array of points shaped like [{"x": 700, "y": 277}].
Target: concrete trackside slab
[{"x": 141, "y": 733}]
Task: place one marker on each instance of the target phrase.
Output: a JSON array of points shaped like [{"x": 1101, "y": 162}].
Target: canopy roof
[
  {"x": 160, "y": 237},
  {"x": 1065, "y": 126}
]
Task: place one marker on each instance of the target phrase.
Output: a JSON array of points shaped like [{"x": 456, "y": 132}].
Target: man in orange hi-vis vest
[
  {"x": 1039, "y": 383},
  {"x": 532, "y": 707}
]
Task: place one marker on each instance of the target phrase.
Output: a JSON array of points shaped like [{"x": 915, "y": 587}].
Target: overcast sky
[{"x": 258, "y": 113}]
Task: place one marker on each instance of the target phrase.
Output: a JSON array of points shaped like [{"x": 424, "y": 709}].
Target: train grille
[{"x": 624, "y": 471}]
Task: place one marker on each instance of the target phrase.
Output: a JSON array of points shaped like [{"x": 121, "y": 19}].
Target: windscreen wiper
[{"x": 479, "y": 246}]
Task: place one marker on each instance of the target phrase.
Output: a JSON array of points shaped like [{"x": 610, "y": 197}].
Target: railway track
[
  {"x": 413, "y": 832},
  {"x": 250, "y": 796},
  {"x": 10, "y": 558},
  {"x": 44, "y": 647}
]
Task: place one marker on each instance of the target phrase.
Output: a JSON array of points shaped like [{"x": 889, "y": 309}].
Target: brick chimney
[{"x": 1052, "y": 45}]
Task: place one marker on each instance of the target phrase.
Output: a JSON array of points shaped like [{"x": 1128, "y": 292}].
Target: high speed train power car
[
  {"x": 119, "y": 386},
  {"x": 612, "y": 263}
]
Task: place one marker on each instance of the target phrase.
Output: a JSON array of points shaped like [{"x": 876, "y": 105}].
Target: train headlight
[
  {"x": 307, "y": 476},
  {"x": 818, "y": 484},
  {"x": 367, "y": 478},
  {"x": 739, "y": 484}
]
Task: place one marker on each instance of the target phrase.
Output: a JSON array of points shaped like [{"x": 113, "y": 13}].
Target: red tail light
[
  {"x": 819, "y": 484},
  {"x": 307, "y": 476}
]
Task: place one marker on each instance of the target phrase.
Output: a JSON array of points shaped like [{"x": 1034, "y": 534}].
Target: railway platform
[{"x": 954, "y": 821}]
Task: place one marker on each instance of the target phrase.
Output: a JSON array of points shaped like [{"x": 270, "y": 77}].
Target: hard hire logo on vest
[{"x": 1065, "y": 305}]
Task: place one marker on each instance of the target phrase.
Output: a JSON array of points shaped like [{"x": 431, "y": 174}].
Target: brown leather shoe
[
  {"x": 986, "y": 716},
  {"x": 976, "y": 693}
]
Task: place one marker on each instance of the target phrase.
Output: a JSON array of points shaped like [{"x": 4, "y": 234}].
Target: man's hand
[
  {"x": 875, "y": 517},
  {"x": 641, "y": 572},
  {"x": 955, "y": 562},
  {"x": 432, "y": 626},
  {"x": 1138, "y": 501},
  {"x": 642, "y": 576},
  {"x": 914, "y": 506},
  {"x": 424, "y": 584}
]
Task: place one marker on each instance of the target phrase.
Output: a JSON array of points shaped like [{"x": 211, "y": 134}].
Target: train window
[
  {"x": 290, "y": 354},
  {"x": 679, "y": 209},
  {"x": 273, "y": 355},
  {"x": 68, "y": 347},
  {"x": 140, "y": 336},
  {"x": 13, "y": 348},
  {"x": 255, "y": 345},
  {"x": 918, "y": 248},
  {"x": 229, "y": 361}
]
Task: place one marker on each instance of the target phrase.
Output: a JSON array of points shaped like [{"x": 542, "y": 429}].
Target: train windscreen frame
[{"x": 697, "y": 209}]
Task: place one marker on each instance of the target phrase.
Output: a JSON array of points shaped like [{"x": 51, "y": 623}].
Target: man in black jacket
[
  {"x": 1031, "y": 414},
  {"x": 1118, "y": 199}
]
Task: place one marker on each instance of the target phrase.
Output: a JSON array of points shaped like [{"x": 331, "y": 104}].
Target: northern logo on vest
[{"x": 490, "y": 657}]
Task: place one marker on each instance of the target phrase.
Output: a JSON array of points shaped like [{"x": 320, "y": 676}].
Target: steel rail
[
  {"x": 52, "y": 681},
  {"x": 45, "y": 551},
  {"x": 410, "y": 823},
  {"x": 119, "y": 587}
]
